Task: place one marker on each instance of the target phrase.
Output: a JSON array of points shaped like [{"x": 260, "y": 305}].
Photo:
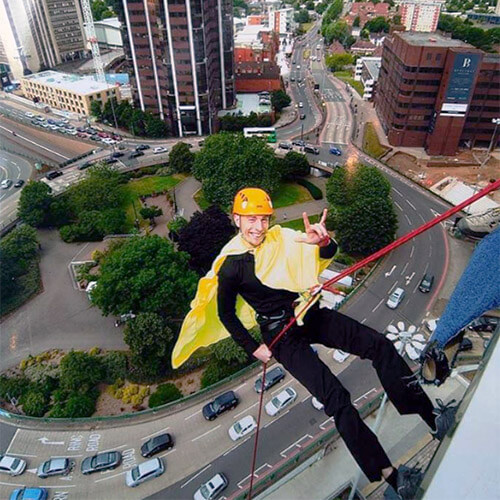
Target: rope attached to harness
[{"x": 326, "y": 286}]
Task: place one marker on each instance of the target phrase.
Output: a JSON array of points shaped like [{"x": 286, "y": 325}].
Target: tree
[
  {"x": 21, "y": 246},
  {"x": 356, "y": 22},
  {"x": 337, "y": 62},
  {"x": 321, "y": 7},
  {"x": 338, "y": 30},
  {"x": 377, "y": 25},
  {"x": 229, "y": 162},
  {"x": 367, "y": 225},
  {"x": 204, "y": 236},
  {"x": 80, "y": 371},
  {"x": 150, "y": 212},
  {"x": 136, "y": 124},
  {"x": 396, "y": 20},
  {"x": 165, "y": 393},
  {"x": 154, "y": 126},
  {"x": 309, "y": 5},
  {"x": 368, "y": 182},
  {"x": 34, "y": 203},
  {"x": 150, "y": 341},
  {"x": 302, "y": 16},
  {"x": 145, "y": 274},
  {"x": 294, "y": 165},
  {"x": 96, "y": 109},
  {"x": 181, "y": 158},
  {"x": 34, "y": 404},
  {"x": 280, "y": 99},
  {"x": 337, "y": 190},
  {"x": 227, "y": 351},
  {"x": 100, "y": 10}
]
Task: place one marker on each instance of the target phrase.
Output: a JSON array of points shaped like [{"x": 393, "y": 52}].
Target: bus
[{"x": 269, "y": 133}]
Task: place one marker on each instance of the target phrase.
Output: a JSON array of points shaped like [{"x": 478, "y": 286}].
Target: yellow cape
[{"x": 280, "y": 262}]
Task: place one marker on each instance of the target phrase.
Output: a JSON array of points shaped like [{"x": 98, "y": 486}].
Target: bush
[
  {"x": 216, "y": 371},
  {"x": 342, "y": 258},
  {"x": 13, "y": 387},
  {"x": 34, "y": 404},
  {"x": 314, "y": 190},
  {"x": 165, "y": 393},
  {"x": 95, "y": 351},
  {"x": 81, "y": 404},
  {"x": 115, "y": 367},
  {"x": 80, "y": 371}
]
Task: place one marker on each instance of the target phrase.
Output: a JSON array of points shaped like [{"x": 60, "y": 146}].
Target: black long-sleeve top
[{"x": 237, "y": 276}]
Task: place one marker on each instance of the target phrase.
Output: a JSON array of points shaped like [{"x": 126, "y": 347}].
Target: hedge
[
  {"x": 314, "y": 190},
  {"x": 165, "y": 393}
]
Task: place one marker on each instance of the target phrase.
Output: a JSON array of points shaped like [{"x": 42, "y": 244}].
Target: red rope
[{"x": 380, "y": 253}]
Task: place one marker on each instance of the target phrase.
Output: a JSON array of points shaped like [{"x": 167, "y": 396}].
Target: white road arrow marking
[
  {"x": 390, "y": 272},
  {"x": 45, "y": 440},
  {"x": 409, "y": 278}
]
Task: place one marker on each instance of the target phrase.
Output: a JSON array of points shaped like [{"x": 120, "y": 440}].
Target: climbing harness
[{"x": 326, "y": 286}]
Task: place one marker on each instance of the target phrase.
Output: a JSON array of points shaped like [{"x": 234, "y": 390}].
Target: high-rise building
[
  {"x": 420, "y": 15},
  {"x": 281, "y": 20},
  {"x": 181, "y": 53},
  {"x": 438, "y": 93},
  {"x": 40, "y": 34}
]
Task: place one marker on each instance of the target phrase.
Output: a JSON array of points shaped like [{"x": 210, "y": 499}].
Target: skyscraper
[{"x": 181, "y": 52}]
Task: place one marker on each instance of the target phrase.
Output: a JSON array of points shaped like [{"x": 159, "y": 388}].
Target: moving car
[
  {"x": 285, "y": 145},
  {"x": 110, "y": 160},
  {"x": 159, "y": 150},
  {"x": 85, "y": 165},
  {"x": 395, "y": 298},
  {"x": 292, "y": 78},
  {"x": 53, "y": 174},
  {"x": 135, "y": 154},
  {"x": 29, "y": 114},
  {"x": 301, "y": 104},
  {"x": 242, "y": 427},
  {"x": 299, "y": 142},
  {"x": 426, "y": 283},
  {"x": 302, "y": 116},
  {"x": 220, "y": 404},
  {"x": 19, "y": 183},
  {"x": 335, "y": 151},
  {"x": 484, "y": 324},
  {"x": 101, "y": 461},
  {"x": 12, "y": 466},
  {"x": 55, "y": 467},
  {"x": 144, "y": 472},
  {"x": 118, "y": 154},
  {"x": 309, "y": 148},
  {"x": 281, "y": 401},
  {"x": 156, "y": 444},
  {"x": 29, "y": 494},
  {"x": 6, "y": 183},
  {"x": 273, "y": 377},
  {"x": 212, "y": 488},
  {"x": 142, "y": 147}
]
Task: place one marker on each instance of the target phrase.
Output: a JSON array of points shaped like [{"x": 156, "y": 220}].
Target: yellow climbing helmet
[{"x": 252, "y": 201}]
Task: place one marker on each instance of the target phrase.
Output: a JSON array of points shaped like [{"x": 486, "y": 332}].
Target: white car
[
  {"x": 145, "y": 471},
  {"x": 12, "y": 465},
  {"x": 108, "y": 140},
  {"x": 6, "y": 183},
  {"x": 395, "y": 298},
  {"x": 211, "y": 489},
  {"x": 317, "y": 404},
  {"x": 159, "y": 150},
  {"x": 243, "y": 427},
  {"x": 64, "y": 120},
  {"x": 301, "y": 104},
  {"x": 53, "y": 127},
  {"x": 281, "y": 401},
  {"x": 298, "y": 67},
  {"x": 71, "y": 132},
  {"x": 29, "y": 114}
]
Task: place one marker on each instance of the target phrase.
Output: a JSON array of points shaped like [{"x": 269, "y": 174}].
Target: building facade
[
  {"x": 281, "y": 20},
  {"x": 181, "y": 53},
  {"x": 367, "y": 71},
  {"x": 437, "y": 93},
  {"x": 420, "y": 15},
  {"x": 67, "y": 92}
]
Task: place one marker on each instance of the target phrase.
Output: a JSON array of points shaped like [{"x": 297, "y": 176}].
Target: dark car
[
  {"x": 285, "y": 145},
  {"x": 135, "y": 154},
  {"x": 299, "y": 142},
  {"x": 101, "y": 461},
  {"x": 118, "y": 154},
  {"x": 335, "y": 151},
  {"x": 156, "y": 444},
  {"x": 19, "y": 183},
  {"x": 111, "y": 160},
  {"x": 85, "y": 165},
  {"x": 292, "y": 79},
  {"x": 220, "y": 404},
  {"x": 302, "y": 116},
  {"x": 142, "y": 147},
  {"x": 273, "y": 377},
  {"x": 53, "y": 174},
  {"x": 309, "y": 148},
  {"x": 29, "y": 494},
  {"x": 426, "y": 283},
  {"x": 484, "y": 324},
  {"x": 55, "y": 467}
]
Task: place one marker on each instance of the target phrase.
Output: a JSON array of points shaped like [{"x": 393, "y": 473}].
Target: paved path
[{"x": 184, "y": 197}]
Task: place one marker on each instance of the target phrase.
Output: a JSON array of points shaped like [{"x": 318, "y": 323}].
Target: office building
[
  {"x": 181, "y": 55},
  {"x": 72, "y": 93},
  {"x": 437, "y": 93}
]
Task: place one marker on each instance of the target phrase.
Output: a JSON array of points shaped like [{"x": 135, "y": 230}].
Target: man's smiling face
[{"x": 253, "y": 228}]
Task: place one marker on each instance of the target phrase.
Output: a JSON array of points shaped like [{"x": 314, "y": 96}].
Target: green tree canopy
[
  {"x": 377, "y": 25},
  {"x": 337, "y": 62},
  {"x": 294, "y": 165},
  {"x": 236, "y": 123},
  {"x": 302, "y": 16},
  {"x": 145, "y": 274},
  {"x": 101, "y": 10},
  {"x": 338, "y": 30},
  {"x": 229, "y": 162},
  {"x": 181, "y": 158},
  {"x": 368, "y": 182},
  {"x": 150, "y": 212},
  {"x": 34, "y": 203},
  {"x": 356, "y": 22},
  {"x": 337, "y": 189},
  {"x": 80, "y": 371},
  {"x": 150, "y": 341},
  {"x": 280, "y": 99},
  {"x": 96, "y": 109}
]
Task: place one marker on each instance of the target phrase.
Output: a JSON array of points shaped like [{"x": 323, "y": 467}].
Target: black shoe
[
  {"x": 445, "y": 418},
  {"x": 409, "y": 479}
]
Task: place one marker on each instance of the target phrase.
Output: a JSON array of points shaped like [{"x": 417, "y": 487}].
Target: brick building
[
  {"x": 437, "y": 93},
  {"x": 366, "y": 11},
  {"x": 420, "y": 15}
]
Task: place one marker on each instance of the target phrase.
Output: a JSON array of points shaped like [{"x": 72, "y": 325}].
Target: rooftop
[
  {"x": 65, "y": 81},
  {"x": 250, "y": 34},
  {"x": 430, "y": 39},
  {"x": 373, "y": 67},
  {"x": 114, "y": 22}
]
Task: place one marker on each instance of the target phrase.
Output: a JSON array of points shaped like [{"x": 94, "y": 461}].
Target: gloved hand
[{"x": 435, "y": 367}]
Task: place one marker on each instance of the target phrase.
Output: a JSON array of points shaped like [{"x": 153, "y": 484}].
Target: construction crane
[{"x": 92, "y": 38}]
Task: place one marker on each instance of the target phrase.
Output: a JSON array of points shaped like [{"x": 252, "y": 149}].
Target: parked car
[
  {"x": 40, "y": 118},
  {"x": 309, "y": 148},
  {"x": 220, "y": 404},
  {"x": 156, "y": 444},
  {"x": 118, "y": 154},
  {"x": 64, "y": 120},
  {"x": 395, "y": 298},
  {"x": 281, "y": 401},
  {"x": 339, "y": 355},
  {"x": 29, "y": 114},
  {"x": 285, "y": 145},
  {"x": 82, "y": 135},
  {"x": 298, "y": 67},
  {"x": 53, "y": 174},
  {"x": 298, "y": 142},
  {"x": 159, "y": 150},
  {"x": 50, "y": 121},
  {"x": 29, "y": 494},
  {"x": 6, "y": 183},
  {"x": 302, "y": 116},
  {"x": 273, "y": 377},
  {"x": 103, "y": 135},
  {"x": 12, "y": 466},
  {"x": 116, "y": 137},
  {"x": 85, "y": 165},
  {"x": 101, "y": 461},
  {"x": 292, "y": 79},
  {"x": 242, "y": 427},
  {"x": 110, "y": 160},
  {"x": 142, "y": 147},
  {"x": 484, "y": 324},
  {"x": 71, "y": 132},
  {"x": 135, "y": 154},
  {"x": 53, "y": 127},
  {"x": 144, "y": 472},
  {"x": 335, "y": 151},
  {"x": 81, "y": 129},
  {"x": 212, "y": 488},
  {"x": 301, "y": 104},
  {"x": 426, "y": 283},
  {"x": 19, "y": 183},
  {"x": 35, "y": 123},
  {"x": 55, "y": 467},
  {"x": 299, "y": 80},
  {"x": 44, "y": 125}
]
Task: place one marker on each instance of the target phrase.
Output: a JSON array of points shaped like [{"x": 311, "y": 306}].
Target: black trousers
[{"x": 333, "y": 329}]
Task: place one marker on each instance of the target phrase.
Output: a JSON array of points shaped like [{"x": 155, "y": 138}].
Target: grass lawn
[
  {"x": 298, "y": 224},
  {"x": 143, "y": 187},
  {"x": 201, "y": 201},
  {"x": 371, "y": 144},
  {"x": 346, "y": 76},
  {"x": 305, "y": 27}
]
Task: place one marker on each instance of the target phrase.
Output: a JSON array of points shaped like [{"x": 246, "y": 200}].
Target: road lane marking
[
  {"x": 113, "y": 449},
  {"x": 307, "y": 397},
  {"x": 245, "y": 410},
  {"x": 394, "y": 189},
  {"x": 365, "y": 394},
  {"x": 12, "y": 441},
  {"x": 392, "y": 288},
  {"x": 276, "y": 419},
  {"x": 110, "y": 477},
  {"x": 196, "y": 475},
  {"x": 378, "y": 305},
  {"x": 282, "y": 387},
  {"x": 404, "y": 269},
  {"x": 154, "y": 433},
  {"x": 411, "y": 205},
  {"x": 408, "y": 219},
  {"x": 204, "y": 434},
  {"x": 412, "y": 250},
  {"x": 168, "y": 452},
  {"x": 263, "y": 465},
  {"x": 240, "y": 386},
  {"x": 192, "y": 415},
  {"x": 21, "y": 454}
]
